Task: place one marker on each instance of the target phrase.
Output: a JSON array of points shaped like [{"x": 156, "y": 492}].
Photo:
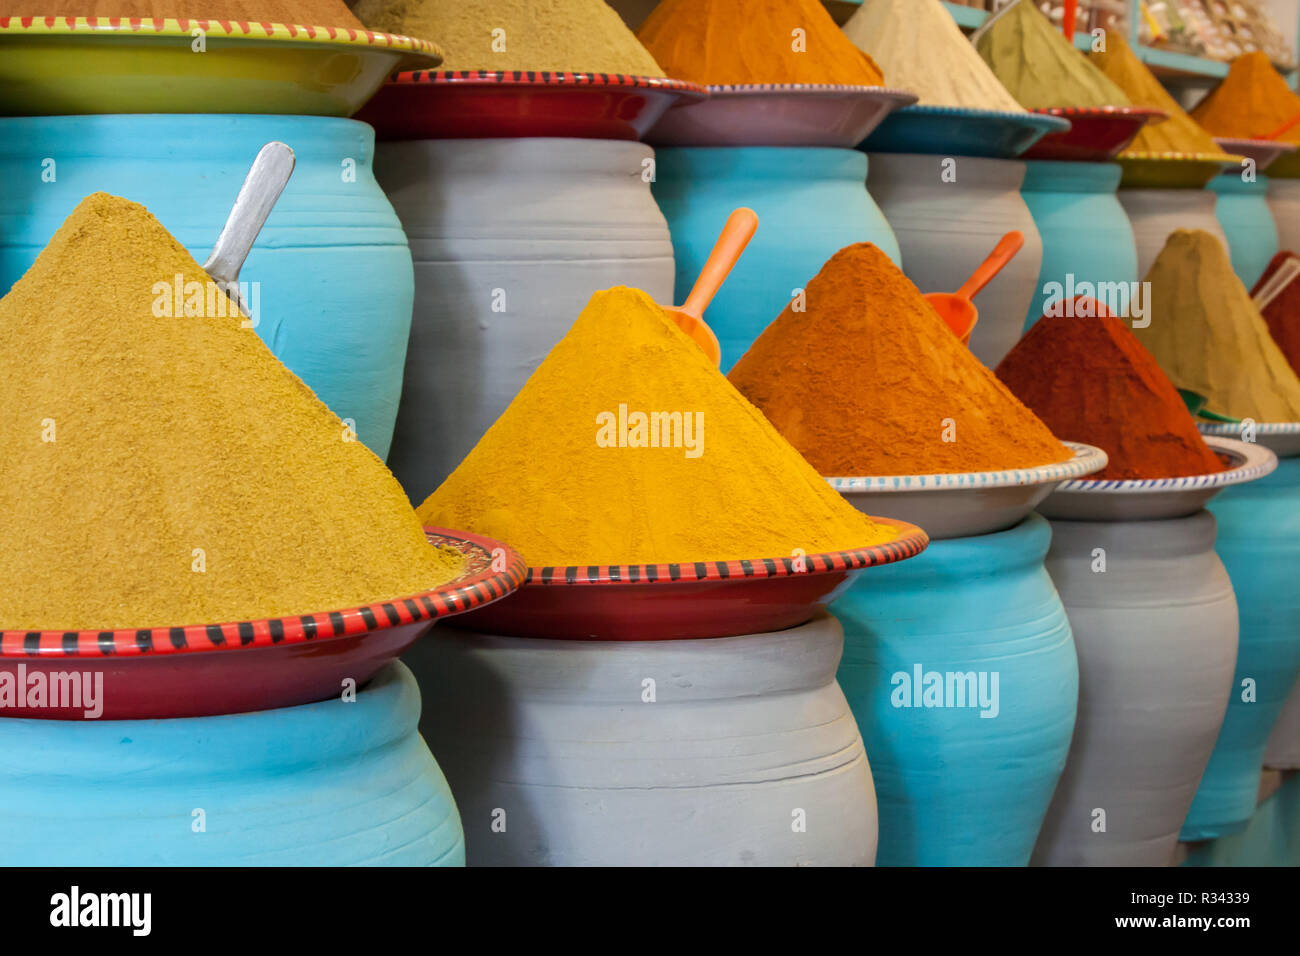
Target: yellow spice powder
[
  {"x": 168, "y": 470},
  {"x": 553, "y": 477}
]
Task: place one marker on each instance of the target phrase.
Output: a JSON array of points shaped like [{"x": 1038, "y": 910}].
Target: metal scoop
[
  {"x": 956, "y": 308},
  {"x": 262, "y": 187},
  {"x": 735, "y": 235}
]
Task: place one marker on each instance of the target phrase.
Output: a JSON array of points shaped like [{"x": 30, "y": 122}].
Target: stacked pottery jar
[
  {"x": 960, "y": 669},
  {"x": 328, "y": 283},
  {"x": 1257, "y": 541},
  {"x": 777, "y": 135},
  {"x": 285, "y": 740},
  {"x": 1155, "y": 623}
]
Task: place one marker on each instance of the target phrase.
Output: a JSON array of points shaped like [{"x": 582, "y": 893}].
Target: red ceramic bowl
[
  {"x": 481, "y": 104},
  {"x": 203, "y": 670},
  {"x": 1263, "y": 151},
  {"x": 1095, "y": 133},
  {"x": 662, "y": 602}
]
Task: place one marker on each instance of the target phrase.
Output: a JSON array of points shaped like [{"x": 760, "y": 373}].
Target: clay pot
[
  {"x": 331, "y": 265},
  {"x": 1243, "y": 212},
  {"x": 745, "y": 754},
  {"x": 1284, "y": 203},
  {"x": 811, "y": 202},
  {"x": 1156, "y": 213},
  {"x": 1259, "y": 541},
  {"x": 1156, "y": 635},
  {"x": 1085, "y": 232},
  {"x": 336, "y": 783},
  {"x": 955, "y": 787},
  {"x": 947, "y": 228},
  {"x": 510, "y": 238}
]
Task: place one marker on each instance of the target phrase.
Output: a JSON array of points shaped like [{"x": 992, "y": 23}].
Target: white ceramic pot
[
  {"x": 1283, "y": 750},
  {"x": 947, "y": 228},
  {"x": 1156, "y": 635},
  {"x": 747, "y": 754},
  {"x": 1155, "y": 213},
  {"x": 1284, "y": 202},
  {"x": 510, "y": 238}
]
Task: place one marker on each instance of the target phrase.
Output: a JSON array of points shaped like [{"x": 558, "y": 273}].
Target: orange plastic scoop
[
  {"x": 736, "y": 234},
  {"x": 956, "y": 308},
  {"x": 1284, "y": 127}
]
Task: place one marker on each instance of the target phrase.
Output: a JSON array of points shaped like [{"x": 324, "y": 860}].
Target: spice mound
[
  {"x": 864, "y": 378},
  {"x": 920, "y": 48},
  {"x": 627, "y": 446},
  {"x": 1283, "y": 313},
  {"x": 582, "y": 36},
  {"x": 315, "y": 13},
  {"x": 1208, "y": 336},
  {"x": 1179, "y": 133},
  {"x": 720, "y": 42},
  {"x": 1252, "y": 101},
  {"x": 1039, "y": 65},
  {"x": 1091, "y": 379},
  {"x": 162, "y": 468}
]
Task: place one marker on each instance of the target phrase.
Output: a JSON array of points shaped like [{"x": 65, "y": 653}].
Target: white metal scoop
[{"x": 262, "y": 187}]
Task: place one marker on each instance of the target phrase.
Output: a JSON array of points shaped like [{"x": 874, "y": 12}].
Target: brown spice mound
[
  {"x": 870, "y": 381},
  {"x": 1091, "y": 379}
]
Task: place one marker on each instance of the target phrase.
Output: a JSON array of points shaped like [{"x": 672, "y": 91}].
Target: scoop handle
[
  {"x": 1002, "y": 253},
  {"x": 1284, "y": 275},
  {"x": 1284, "y": 127},
  {"x": 262, "y": 187},
  {"x": 736, "y": 233}
]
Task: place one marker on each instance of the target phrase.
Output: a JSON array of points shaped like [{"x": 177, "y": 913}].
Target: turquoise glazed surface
[
  {"x": 1259, "y": 542},
  {"x": 1247, "y": 221},
  {"x": 1085, "y": 231},
  {"x": 327, "y": 784},
  {"x": 1272, "y": 838},
  {"x": 811, "y": 202},
  {"x": 955, "y": 788},
  {"x": 335, "y": 284}
]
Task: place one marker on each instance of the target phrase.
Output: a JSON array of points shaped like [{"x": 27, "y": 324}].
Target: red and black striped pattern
[
  {"x": 478, "y": 586},
  {"x": 909, "y": 544},
  {"x": 545, "y": 77}
]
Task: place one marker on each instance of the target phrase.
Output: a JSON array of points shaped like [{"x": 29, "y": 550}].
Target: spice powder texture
[{"x": 170, "y": 471}]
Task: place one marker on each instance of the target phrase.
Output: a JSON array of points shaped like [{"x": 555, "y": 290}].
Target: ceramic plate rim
[
  {"x": 1228, "y": 429},
  {"x": 176, "y": 27},
  {"x": 1044, "y": 121},
  {"x": 1281, "y": 147},
  {"x": 1255, "y": 461},
  {"x": 1085, "y": 460},
  {"x": 724, "y": 90},
  {"x": 1171, "y": 156},
  {"x": 911, "y": 542},
  {"x": 461, "y": 594},
  {"x": 1072, "y": 112},
  {"x": 544, "y": 79}
]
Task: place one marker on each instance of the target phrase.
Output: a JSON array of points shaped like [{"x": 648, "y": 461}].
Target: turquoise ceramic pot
[
  {"x": 1247, "y": 221},
  {"x": 1259, "y": 541},
  {"x": 1085, "y": 232},
  {"x": 1272, "y": 837},
  {"x": 811, "y": 202},
  {"x": 327, "y": 784},
  {"x": 955, "y": 788},
  {"x": 332, "y": 267}
]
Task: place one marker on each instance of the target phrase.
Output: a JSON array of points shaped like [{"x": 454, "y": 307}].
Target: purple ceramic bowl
[{"x": 780, "y": 114}]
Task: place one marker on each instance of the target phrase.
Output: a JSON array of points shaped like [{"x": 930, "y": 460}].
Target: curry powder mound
[
  {"x": 570, "y": 474},
  {"x": 166, "y": 470}
]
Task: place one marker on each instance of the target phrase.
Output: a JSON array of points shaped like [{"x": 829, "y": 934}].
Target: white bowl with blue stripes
[
  {"x": 1147, "y": 499},
  {"x": 1282, "y": 437},
  {"x": 962, "y": 504}
]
